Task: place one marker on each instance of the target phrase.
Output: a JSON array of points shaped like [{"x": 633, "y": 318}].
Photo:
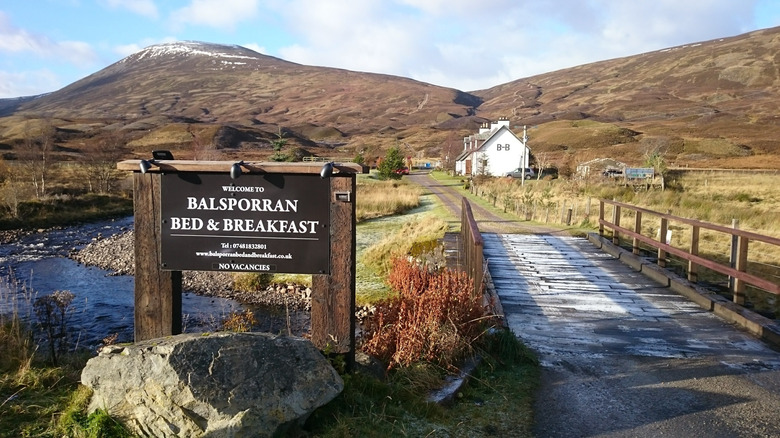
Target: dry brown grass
[{"x": 384, "y": 198}]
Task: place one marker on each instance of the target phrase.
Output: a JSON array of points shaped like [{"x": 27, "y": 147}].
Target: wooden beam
[
  {"x": 246, "y": 167},
  {"x": 662, "y": 239},
  {"x": 693, "y": 268},
  {"x": 333, "y": 295},
  {"x": 157, "y": 292},
  {"x": 616, "y": 221},
  {"x": 638, "y": 230},
  {"x": 741, "y": 266}
]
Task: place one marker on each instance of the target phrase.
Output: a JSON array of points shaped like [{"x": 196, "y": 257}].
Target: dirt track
[{"x": 488, "y": 221}]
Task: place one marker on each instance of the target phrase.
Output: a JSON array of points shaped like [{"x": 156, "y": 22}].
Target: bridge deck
[{"x": 623, "y": 356}]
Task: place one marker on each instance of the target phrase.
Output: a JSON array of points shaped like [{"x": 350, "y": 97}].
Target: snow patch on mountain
[{"x": 191, "y": 48}]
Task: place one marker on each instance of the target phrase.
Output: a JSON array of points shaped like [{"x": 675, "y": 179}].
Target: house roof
[
  {"x": 495, "y": 133},
  {"x": 463, "y": 155}
]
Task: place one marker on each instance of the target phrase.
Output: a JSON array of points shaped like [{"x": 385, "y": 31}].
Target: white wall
[{"x": 504, "y": 153}]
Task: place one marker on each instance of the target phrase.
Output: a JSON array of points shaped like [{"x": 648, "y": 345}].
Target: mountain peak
[{"x": 194, "y": 48}]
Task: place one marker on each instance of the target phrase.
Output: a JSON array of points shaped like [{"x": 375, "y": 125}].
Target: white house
[{"x": 495, "y": 150}]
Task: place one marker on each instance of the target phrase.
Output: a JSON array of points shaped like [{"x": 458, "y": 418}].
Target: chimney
[{"x": 484, "y": 128}]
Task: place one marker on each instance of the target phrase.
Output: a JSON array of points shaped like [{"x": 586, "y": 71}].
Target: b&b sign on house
[{"x": 258, "y": 223}]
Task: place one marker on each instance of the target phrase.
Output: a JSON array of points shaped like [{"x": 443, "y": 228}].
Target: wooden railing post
[
  {"x": 662, "y": 239},
  {"x": 693, "y": 268},
  {"x": 733, "y": 253},
  {"x": 741, "y": 266},
  {"x": 601, "y": 217},
  {"x": 638, "y": 230},
  {"x": 616, "y": 222}
]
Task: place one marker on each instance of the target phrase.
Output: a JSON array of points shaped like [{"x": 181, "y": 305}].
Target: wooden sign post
[{"x": 241, "y": 240}]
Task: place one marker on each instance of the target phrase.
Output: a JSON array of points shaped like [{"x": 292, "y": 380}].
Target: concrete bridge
[{"x": 622, "y": 355}]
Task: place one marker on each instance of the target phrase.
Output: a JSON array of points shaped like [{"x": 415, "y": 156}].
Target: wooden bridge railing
[
  {"x": 473, "y": 245},
  {"x": 740, "y": 240}
]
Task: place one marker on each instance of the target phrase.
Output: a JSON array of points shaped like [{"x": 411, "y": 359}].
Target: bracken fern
[{"x": 435, "y": 317}]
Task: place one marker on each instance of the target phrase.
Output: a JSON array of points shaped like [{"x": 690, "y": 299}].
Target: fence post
[
  {"x": 568, "y": 216},
  {"x": 638, "y": 230},
  {"x": 693, "y": 268},
  {"x": 601, "y": 218},
  {"x": 616, "y": 222},
  {"x": 733, "y": 256},
  {"x": 741, "y": 266},
  {"x": 587, "y": 209}
]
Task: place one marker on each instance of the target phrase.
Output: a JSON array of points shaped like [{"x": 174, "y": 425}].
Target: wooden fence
[
  {"x": 736, "y": 269},
  {"x": 473, "y": 245}
]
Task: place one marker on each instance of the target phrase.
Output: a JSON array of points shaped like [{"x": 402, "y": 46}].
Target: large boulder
[{"x": 216, "y": 385}]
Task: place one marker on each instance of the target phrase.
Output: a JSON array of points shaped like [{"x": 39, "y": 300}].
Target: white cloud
[
  {"x": 472, "y": 45},
  {"x": 146, "y": 8},
  {"x": 129, "y": 49},
  {"x": 367, "y": 36},
  {"x": 458, "y": 43},
  {"x": 644, "y": 26},
  {"x": 256, "y": 47},
  {"x": 28, "y": 83},
  {"x": 18, "y": 41},
  {"x": 220, "y": 14}
]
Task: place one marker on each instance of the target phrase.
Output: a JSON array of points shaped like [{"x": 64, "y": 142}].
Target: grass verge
[{"x": 496, "y": 401}]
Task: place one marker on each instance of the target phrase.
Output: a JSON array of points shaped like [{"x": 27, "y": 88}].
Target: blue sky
[{"x": 465, "y": 44}]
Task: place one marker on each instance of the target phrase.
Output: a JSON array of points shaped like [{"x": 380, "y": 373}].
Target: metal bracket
[{"x": 343, "y": 196}]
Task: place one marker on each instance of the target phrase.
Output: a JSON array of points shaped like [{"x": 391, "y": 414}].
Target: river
[{"x": 38, "y": 264}]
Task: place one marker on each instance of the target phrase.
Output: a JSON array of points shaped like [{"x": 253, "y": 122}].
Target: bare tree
[
  {"x": 655, "y": 157},
  {"x": 449, "y": 151},
  {"x": 203, "y": 148},
  {"x": 12, "y": 190},
  {"x": 100, "y": 160},
  {"x": 37, "y": 146},
  {"x": 542, "y": 162}
]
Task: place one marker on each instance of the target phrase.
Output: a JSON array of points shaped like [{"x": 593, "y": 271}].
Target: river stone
[{"x": 216, "y": 385}]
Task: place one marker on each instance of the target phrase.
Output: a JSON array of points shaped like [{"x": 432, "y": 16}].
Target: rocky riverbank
[{"x": 116, "y": 254}]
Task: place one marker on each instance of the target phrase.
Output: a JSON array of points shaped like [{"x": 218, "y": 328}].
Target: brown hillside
[
  {"x": 707, "y": 104},
  {"x": 710, "y": 104}
]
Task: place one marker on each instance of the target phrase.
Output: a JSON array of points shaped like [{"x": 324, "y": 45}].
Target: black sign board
[{"x": 256, "y": 223}]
